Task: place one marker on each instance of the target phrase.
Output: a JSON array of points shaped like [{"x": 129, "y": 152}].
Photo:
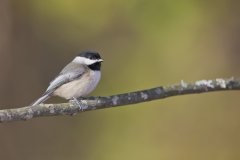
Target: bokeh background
[{"x": 145, "y": 43}]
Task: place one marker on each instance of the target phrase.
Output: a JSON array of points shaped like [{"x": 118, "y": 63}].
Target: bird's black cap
[
  {"x": 90, "y": 54},
  {"x": 93, "y": 55}
]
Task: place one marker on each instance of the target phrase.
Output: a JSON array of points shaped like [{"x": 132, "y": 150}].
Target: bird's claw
[{"x": 80, "y": 104}]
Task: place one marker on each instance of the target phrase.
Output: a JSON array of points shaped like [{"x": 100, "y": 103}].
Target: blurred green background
[{"x": 145, "y": 43}]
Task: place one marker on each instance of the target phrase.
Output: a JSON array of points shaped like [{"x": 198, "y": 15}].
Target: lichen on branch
[{"x": 93, "y": 103}]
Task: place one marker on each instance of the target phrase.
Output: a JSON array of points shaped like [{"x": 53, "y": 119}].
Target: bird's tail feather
[{"x": 41, "y": 100}]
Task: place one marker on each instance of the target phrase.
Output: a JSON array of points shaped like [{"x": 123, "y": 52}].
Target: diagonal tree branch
[{"x": 93, "y": 103}]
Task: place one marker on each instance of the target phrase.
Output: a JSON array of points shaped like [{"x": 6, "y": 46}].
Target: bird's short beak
[{"x": 100, "y": 60}]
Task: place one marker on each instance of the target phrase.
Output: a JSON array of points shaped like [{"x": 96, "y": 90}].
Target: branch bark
[{"x": 93, "y": 103}]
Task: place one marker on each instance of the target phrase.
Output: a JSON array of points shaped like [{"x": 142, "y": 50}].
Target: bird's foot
[{"x": 80, "y": 103}]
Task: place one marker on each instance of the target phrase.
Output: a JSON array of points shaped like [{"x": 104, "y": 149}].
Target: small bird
[{"x": 77, "y": 79}]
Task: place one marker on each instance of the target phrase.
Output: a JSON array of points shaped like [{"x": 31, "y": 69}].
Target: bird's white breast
[{"x": 79, "y": 87}]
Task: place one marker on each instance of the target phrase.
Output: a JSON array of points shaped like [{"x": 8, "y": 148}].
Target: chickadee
[{"x": 77, "y": 79}]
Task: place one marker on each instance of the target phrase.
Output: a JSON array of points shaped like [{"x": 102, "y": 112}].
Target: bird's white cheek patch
[{"x": 82, "y": 60}]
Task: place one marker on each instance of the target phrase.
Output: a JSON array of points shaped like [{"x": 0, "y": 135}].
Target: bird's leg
[{"x": 79, "y": 103}]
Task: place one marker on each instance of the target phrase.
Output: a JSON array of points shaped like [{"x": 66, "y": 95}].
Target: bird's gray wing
[{"x": 71, "y": 72}]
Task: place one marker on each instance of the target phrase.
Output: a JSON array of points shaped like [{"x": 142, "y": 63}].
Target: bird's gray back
[{"x": 69, "y": 73}]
